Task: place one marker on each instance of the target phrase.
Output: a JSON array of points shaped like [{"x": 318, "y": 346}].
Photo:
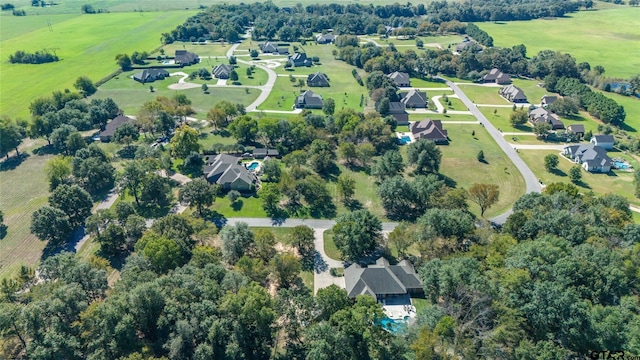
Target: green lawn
[
  {"x": 459, "y": 163},
  {"x": 483, "y": 94},
  {"x": 531, "y": 89},
  {"x": 443, "y": 117},
  {"x": 130, "y": 95},
  {"x": 500, "y": 119},
  {"x": 636, "y": 217},
  {"x": 25, "y": 189},
  {"x": 366, "y": 192},
  {"x": 281, "y": 233},
  {"x": 12, "y": 26},
  {"x": 604, "y": 37},
  {"x": 455, "y": 104},
  {"x": 246, "y": 206},
  {"x": 216, "y": 49},
  {"x": 330, "y": 247},
  {"x": 617, "y": 182},
  {"x": 88, "y": 52},
  {"x": 207, "y": 139},
  {"x": 421, "y": 83}
]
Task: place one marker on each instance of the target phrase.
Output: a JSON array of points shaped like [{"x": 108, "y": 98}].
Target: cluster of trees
[
  {"x": 159, "y": 115},
  {"x": 39, "y": 57},
  {"x": 292, "y": 23},
  {"x": 126, "y": 62},
  {"x": 7, "y": 6},
  {"x": 598, "y": 105},
  {"x": 11, "y": 135}
]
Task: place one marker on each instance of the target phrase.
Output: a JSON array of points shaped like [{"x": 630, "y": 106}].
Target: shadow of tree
[
  {"x": 13, "y": 162},
  {"x": 319, "y": 265}
]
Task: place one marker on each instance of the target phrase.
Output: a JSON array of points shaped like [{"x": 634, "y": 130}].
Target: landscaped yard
[
  {"x": 245, "y": 206},
  {"x": 421, "y": 83},
  {"x": 443, "y": 117},
  {"x": 483, "y": 94},
  {"x": 617, "y": 182},
  {"x": 499, "y": 117},
  {"x": 130, "y": 94},
  {"x": 455, "y": 104},
  {"x": 459, "y": 162},
  {"x": 89, "y": 52},
  {"x": 216, "y": 49},
  {"x": 330, "y": 247},
  {"x": 531, "y": 90},
  {"x": 615, "y": 30}
]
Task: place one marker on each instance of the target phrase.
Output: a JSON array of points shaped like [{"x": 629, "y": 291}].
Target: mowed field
[
  {"x": 608, "y": 37},
  {"x": 86, "y": 45}
]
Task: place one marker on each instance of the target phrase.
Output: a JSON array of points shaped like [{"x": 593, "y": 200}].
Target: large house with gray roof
[
  {"x": 222, "y": 71},
  {"x": 309, "y": 100},
  {"x": 300, "y": 59},
  {"x": 496, "y": 76},
  {"x": 224, "y": 170},
  {"x": 382, "y": 280},
  {"x": 430, "y": 130},
  {"x": 318, "y": 80},
  {"x": 150, "y": 75},
  {"x": 326, "y": 38},
  {"x": 591, "y": 157},
  {"x": 604, "y": 141},
  {"x": 513, "y": 94},
  {"x": 414, "y": 99},
  {"x": 401, "y": 79},
  {"x": 107, "y": 134},
  {"x": 184, "y": 58},
  {"x": 542, "y": 115}
]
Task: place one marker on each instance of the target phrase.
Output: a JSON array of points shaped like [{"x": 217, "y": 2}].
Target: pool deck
[{"x": 400, "y": 135}]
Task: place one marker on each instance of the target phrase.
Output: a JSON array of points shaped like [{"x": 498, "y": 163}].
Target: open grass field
[
  {"x": 531, "y": 89},
  {"x": 500, "y": 119},
  {"x": 24, "y": 190},
  {"x": 455, "y": 104},
  {"x": 88, "y": 52},
  {"x": 483, "y": 94},
  {"x": 611, "y": 37},
  {"x": 422, "y": 83},
  {"x": 216, "y": 49},
  {"x": 616, "y": 182},
  {"x": 129, "y": 94},
  {"x": 459, "y": 163}
]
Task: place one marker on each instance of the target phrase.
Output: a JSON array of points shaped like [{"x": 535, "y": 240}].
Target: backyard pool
[
  {"x": 253, "y": 166},
  {"x": 405, "y": 140},
  {"x": 621, "y": 165},
  {"x": 394, "y": 326}
]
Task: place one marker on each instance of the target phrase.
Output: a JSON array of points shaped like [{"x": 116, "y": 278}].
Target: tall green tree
[
  {"x": 198, "y": 193},
  {"x": 551, "y": 162},
  {"x": 236, "y": 240},
  {"x": 51, "y": 224},
  {"x": 11, "y": 135},
  {"x": 389, "y": 165},
  {"x": 485, "y": 195},
  {"x": 74, "y": 201},
  {"x": 357, "y": 233},
  {"x": 85, "y": 86},
  {"x": 244, "y": 129},
  {"x": 286, "y": 268},
  {"x": 184, "y": 141},
  {"x": 425, "y": 156}
]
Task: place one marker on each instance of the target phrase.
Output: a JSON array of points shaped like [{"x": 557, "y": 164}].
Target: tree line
[{"x": 38, "y": 57}]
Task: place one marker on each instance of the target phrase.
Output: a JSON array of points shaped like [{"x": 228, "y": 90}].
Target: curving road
[
  {"x": 530, "y": 179},
  {"x": 266, "y": 88}
]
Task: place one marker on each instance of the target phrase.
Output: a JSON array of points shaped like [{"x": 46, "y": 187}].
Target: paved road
[
  {"x": 266, "y": 88},
  {"x": 530, "y": 179}
]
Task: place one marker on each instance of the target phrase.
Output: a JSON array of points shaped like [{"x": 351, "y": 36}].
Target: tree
[
  {"x": 60, "y": 136},
  {"x": 232, "y": 60},
  {"x": 253, "y": 53},
  {"x": 184, "y": 141},
  {"x": 356, "y": 233},
  {"x": 236, "y": 240},
  {"x": 303, "y": 238},
  {"x": 233, "y": 75},
  {"x": 112, "y": 239},
  {"x": 205, "y": 88},
  {"x": 85, "y": 86},
  {"x": 270, "y": 198},
  {"x": 217, "y": 118},
  {"x": 163, "y": 253},
  {"x": 198, "y": 193},
  {"x": 124, "y": 61},
  {"x": 58, "y": 171},
  {"x": 329, "y": 106},
  {"x": 425, "y": 156},
  {"x": 480, "y": 156},
  {"x": 131, "y": 179},
  {"x": 551, "y": 162},
  {"x": 11, "y": 135},
  {"x": 575, "y": 174},
  {"x": 233, "y": 196},
  {"x": 346, "y": 187},
  {"x": 126, "y": 134},
  {"x": 321, "y": 156},
  {"x": 50, "y": 224},
  {"x": 518, "y": 117},
  {"x": 541, "y": 129},
  {"x": 389, "y": 165},
  {"x": 286, "y": 268},
  {"x": 485, "y": 195},
  {"x": 565, "y": 106},
  {"x": 383, "y": 106},
  {"x": 348, "y": 151},
  {"x": 156, "y": 190},
  {"x": 93, "y": 170},
  {"x": 244, "y": 129},
  {"x": 401, "y": 238},
  {"x": 264, "y": 245},
  {"x": 271, "y": 170},
  {"x": 74, "y": 201}
]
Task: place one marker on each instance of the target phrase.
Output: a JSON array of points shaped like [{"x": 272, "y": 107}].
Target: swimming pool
[
  {"x": 405, "y": 140},
  {"x": 620, "y": 165},
  {"x": 394, "y": 326},
  {"x": 253, "y": 166}
]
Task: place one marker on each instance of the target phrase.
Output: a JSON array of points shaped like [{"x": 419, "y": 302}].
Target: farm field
[
  {"x": 612, "y": 35},
  {"x": 91, "y": 54},
  {"x": 129, "y": 94},
  {"x": 616, "y": 182},
  {"x": 24, "y": 190},
  {"x": 459, "y": 163}
]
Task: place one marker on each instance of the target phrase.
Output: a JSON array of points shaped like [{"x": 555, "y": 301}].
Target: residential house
[
  {"x": 547, "y": 100},
  {"x": 107, "y": 134},
  {"x": 577, "y": 129},
  {"x": 184, "y": 58},
  {"x": 593, "y": 158},
  {"x": 269, "y": 48},
  {"x": 513, "y": 94},
  {"x": 604, "y": 141},
  {"x": 150, "y": 75},
  {"x": 430, "y": 130},
  {"x": 543, "y": 115},
  {"x": 261, "y": 153},
  {"x": 470, "y": 44},
  {"x": 309, "y": 100},
  {"x": 382, "y": 280},
  {"x": 300, "y": 59},
  {"x": 224, "y": 170},
  {"x": 398, "y": 111},
  {"x": 318, "y": 80},
  {"x": 497, "y": 76},
  {"x": 401, "y": 79},
  {"x": 283, "y": 51},
  {"x": 222, "y": 71},
  {"x": 415, "y": 99},
  {"x": 326, "y": 38}
]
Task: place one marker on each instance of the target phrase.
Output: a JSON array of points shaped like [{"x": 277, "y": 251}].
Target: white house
[{"x": 604, "y": 141}]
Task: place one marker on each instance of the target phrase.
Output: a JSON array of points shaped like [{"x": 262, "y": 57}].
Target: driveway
[
  {"x": 530, "y": 179},
  {"x": 266, "y": 88}
]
